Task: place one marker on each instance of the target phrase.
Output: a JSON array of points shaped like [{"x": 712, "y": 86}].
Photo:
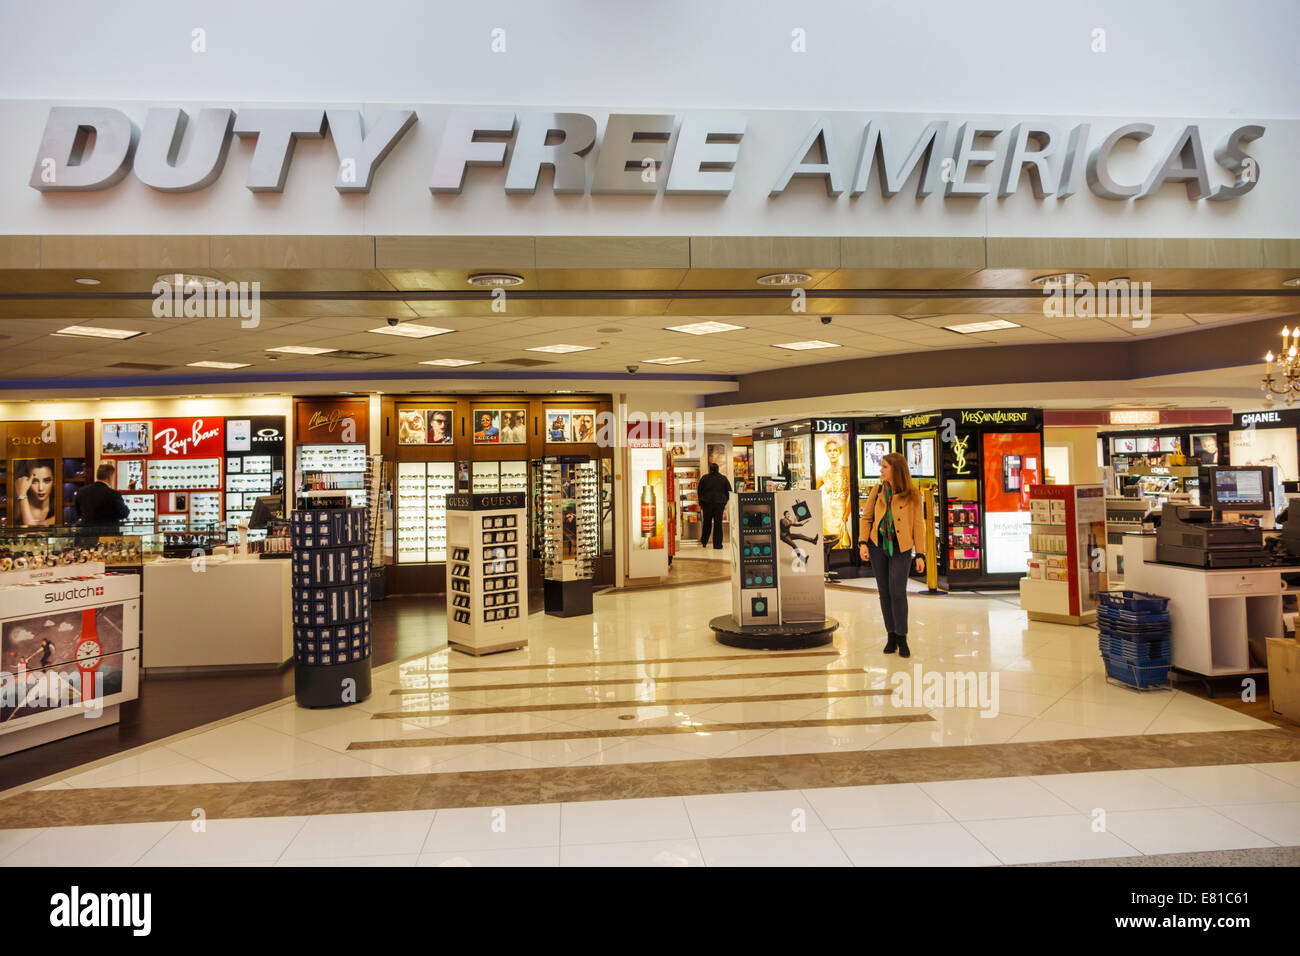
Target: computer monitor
[
  {"x": 1241, "y": 489},
  {"x": 267, "y": 508}
]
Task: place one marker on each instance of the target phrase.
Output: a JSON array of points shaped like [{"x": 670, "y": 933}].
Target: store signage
[
  {"x": 1130, "y": 417},
  {"x": 1282, "y": 418},
  {"x": 920, "y": 421},
  {"x": 188, "y": 437},
  {"x": 960, "y": 456},
  {"x": 701, "y": 151},
  {"x": 983, "y": 416},
  {"x": 490, "y": 501},
  {"x": 341, "y": 421},
  {"x": 73, "y": 594},
  {"x": 824, "y": 425}
]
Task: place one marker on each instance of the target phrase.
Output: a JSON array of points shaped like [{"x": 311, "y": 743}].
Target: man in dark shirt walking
[
  {"x": 100, "y": 505},
  {"x": 714, "y": 490}
]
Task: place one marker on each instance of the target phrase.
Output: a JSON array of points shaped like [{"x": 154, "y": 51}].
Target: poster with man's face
[{"x": 487, "y": 426}]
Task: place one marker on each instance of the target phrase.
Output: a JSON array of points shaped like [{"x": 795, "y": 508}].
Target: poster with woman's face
[
  {"x": 920, "y": 456},
  {"x": 33, "y": 492},
  {"x": 584, "y": 424},
  {"x": 873, "y": 454},
  {"x": 487, "y": 426},
  {"x": 557, "y": 426},
  {"x": 438, "y": 426},
  {"x": 514, "y": 426},
  {"x": 411, "y": 427}
]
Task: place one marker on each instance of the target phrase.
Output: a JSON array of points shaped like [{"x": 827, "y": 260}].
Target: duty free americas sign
[{"x": 693, "y": 154}]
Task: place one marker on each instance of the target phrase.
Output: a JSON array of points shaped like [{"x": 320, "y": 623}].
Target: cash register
[{"x": 1188, "y": 534}]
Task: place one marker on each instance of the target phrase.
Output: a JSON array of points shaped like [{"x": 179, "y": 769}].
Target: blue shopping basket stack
[{"x": 1134, "y": 641}]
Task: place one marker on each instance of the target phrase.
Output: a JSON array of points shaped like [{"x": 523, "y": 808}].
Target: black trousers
[
  {"x": 711, "y": 518},
  {"x": 891, "y": 581}
]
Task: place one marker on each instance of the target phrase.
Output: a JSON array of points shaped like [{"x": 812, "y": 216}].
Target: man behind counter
[{"x": 100, "y": 505}]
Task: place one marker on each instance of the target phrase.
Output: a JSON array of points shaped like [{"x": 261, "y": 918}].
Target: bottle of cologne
[{"x": 649, "y": 511}]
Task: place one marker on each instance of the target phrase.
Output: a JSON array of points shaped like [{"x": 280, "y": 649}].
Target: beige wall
[{"x": 1082, "y": 442}]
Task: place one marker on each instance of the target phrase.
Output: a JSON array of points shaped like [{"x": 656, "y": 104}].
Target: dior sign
[{"x": 92, "y": 148}]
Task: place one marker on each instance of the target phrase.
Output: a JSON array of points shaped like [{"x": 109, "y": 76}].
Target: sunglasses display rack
[
  {"x": 334, "y": 468},
  {"x": 570, "y": 527},
  {"x": 487, "y": 572},
  {"x": 331, "y": 604},
  {"x": 422, "y": 490},
  {"x": 165, "y": 474}
]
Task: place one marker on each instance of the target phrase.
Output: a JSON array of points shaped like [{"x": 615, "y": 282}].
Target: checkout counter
[{"x": 1224, "y": 588}]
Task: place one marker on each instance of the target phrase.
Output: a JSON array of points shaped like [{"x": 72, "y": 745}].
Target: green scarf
[{"x": 885, "y": 530}]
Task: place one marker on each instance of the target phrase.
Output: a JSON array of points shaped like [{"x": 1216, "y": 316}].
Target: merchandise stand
[
  {"x": 778, "y": 595},
  {"x": 569, "y": 529},
  {"x": 85, "y": 625},
  {"x": 487, "y": 572},
  {"x": 1067, "y": 531},
  {"x": 331, "y": 601}
]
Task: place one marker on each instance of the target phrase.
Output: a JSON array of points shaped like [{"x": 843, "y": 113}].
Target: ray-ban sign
[{"x": 692, "y": 154}]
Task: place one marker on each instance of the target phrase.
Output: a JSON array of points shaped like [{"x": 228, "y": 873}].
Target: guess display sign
[{"x": 188, "y": 437}]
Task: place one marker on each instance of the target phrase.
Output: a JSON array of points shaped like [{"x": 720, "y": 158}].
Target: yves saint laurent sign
[{"x": 689, "y": 154}]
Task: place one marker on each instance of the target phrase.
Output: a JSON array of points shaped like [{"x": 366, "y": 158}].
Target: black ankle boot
[
  {"x": 903, "y": 650},
  {"x": 892, "y": 644}
]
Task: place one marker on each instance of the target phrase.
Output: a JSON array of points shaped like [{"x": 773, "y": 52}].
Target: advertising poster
[
  {"x": 1090, "y": 527},
  {"x": 649, "y": 505},
  {"x": 800, "y": 563},
  {"x": 832, "y": 462},
  {"x": 124, "y": 438},
  {"x": 51, "y": 661},
  {"x": 557, "y": 425},
  {"x": 1205, "y": 448},
  {"x": 919, "y": 453},
  {"x": 873, "y": 452},
  {"x": 582, "y": 424},
  {"x": 35, "y": 492},
  {"x": 654, "y": 511},
  {"x": 514, "y": 426},
  {"x": 1012, "y": 463},
  {"x": 487, "y": 426}
]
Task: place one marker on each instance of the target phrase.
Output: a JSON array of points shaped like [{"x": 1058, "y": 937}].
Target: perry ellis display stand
[
  {"x": 331, "y": 601},
  {"x": 487, "y": 572},
  {"x": 778, "y": 597}
]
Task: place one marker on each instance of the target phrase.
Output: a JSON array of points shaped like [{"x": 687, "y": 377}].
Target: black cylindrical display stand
[{"x": 331, "y": 606}]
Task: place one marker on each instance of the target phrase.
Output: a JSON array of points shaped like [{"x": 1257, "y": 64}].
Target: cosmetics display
[
  {"x": 331, "y": 604},
  {"x": 421, "y": 510},
  {"x": 71, "y": 651},
  {"x": 963, "y": 534},
  {"x": 487, "y": 572},
  {"x": 686, "y": 476}
]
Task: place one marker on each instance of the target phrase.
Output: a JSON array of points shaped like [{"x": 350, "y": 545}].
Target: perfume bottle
[{"x": 649, "y": 511}]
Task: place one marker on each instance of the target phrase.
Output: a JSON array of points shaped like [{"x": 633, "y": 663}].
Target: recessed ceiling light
[
  {"x": 1118, "y": 279},
  {"x": 704, "y": 328},
  {"x": 495, "y": 280},
  {"x": 609, "y": 331},
  {"x": 991, "y": 326},
  {"x": 671, "y": 360},
  {"x": 94, "y": 332},
  {"x": 561, "y": 348},
  {"x": 784, "y": 279},
  {"x": 451, "y": 363},
  {"x": 188, "y": 280},
  {"x": 86, "y": 281},
  {"x": 810, "y": 344},
  {"x": 225, "y": 365},
  {"x": 1061, "y": 280},
  {"x": 1292, "y": 282},
  {"x": 411, "y": 330},
  {"x": 300, "y": 350}
]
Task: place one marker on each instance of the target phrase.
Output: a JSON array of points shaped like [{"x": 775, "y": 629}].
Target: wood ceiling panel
[
  {"x": 163, "y": 253},
  {"x": 579, "y": 279},
  {"x": 346, "y": 253},
  {"x": 613, "y": 253},
  {"x": 1179, "y": 253},
  {"x": 1055, "y": 255},
  {"x": 20, "y": 252},
  {"x": 909, "y": 254},
  {"x": 599, "y": 307},
  {"x": 461, "y": 254}
]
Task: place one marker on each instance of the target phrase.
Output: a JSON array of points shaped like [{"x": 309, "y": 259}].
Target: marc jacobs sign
[{"x": 702, "y": 151}]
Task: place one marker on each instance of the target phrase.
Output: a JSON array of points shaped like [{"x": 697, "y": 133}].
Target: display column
[
  {"x": 331, "y": 603},
  {"x": 487, "y": 573},
  {"x": 569, "y": 535}
]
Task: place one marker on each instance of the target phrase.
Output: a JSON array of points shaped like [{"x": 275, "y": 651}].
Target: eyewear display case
[
  {"x": 487, "y": 595},
  {"x": 570, "y": 533}
]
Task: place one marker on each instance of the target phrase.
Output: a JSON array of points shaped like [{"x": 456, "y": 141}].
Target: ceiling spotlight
[
  {"x": 784, "y": 279},
  {"x": 1293, "y": 283},
  {"x": 495, "y": 280},
  {"x": 86, "y": 281},
  {"x": 1061, "y": 280}
]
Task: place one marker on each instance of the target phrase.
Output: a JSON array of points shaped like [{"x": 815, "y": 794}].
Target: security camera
[
  {"x": 826, "y": 320},
  {"x": 631, "y": 369},
  {"x": 392, "y": 320}
]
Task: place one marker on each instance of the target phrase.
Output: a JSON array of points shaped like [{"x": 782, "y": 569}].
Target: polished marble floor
[{"x": 642, "y": 683}]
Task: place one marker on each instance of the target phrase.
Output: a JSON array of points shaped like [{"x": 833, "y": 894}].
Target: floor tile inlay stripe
[{"x": 610, "y": 682}]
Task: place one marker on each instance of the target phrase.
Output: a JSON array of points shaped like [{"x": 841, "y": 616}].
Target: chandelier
[{"x": 1288, "y": 368}]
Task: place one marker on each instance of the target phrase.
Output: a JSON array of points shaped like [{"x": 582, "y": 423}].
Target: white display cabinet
[
  {"x": 487, "y": 572},
  {"x": 70, "y": 650}
]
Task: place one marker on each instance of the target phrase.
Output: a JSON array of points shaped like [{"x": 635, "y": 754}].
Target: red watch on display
[{"x": 88, "y": 654}]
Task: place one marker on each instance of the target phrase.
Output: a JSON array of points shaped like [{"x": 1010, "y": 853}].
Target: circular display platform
[{"x": 773, "y": 638}]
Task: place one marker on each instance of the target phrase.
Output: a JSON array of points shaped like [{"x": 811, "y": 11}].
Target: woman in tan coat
[{"x": 892, "y": 530}]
